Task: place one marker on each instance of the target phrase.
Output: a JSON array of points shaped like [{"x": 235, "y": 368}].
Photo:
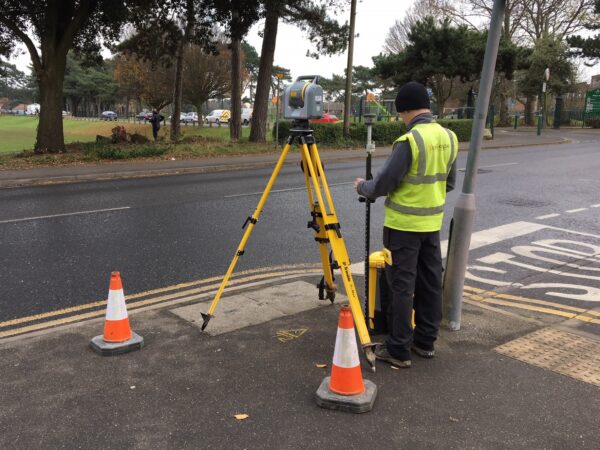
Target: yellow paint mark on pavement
[
  {"x": 515, "y": 301},
  {"x": 289, "y": 335}
]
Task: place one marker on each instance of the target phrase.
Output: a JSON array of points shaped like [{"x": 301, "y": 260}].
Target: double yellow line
[
  {"x": 181, "y": 292},
  {"x": 530, "y": 304}
]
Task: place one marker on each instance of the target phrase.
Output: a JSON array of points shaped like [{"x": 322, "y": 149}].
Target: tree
[
  {"x": 323, "y": 31},
  {"x": 206, "y": 75},
  {"x": 549, "y": 52},
  {"x": 129, "y": 76},
  {"x": 333, "y": 87},
  {"x": 588, "y": 47},
  {"x": 59, "y": 26},
  {"x": 251, "y": 65},
  {"x": 436, "y": 55}
]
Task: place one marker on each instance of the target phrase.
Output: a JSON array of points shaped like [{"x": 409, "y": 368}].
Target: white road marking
[
  {"x": 547, "y": 216},
  {"x": 283, "y": 190},
  {"x": 596, "y": 206},
  {"x": 570, "y": 211},
  {"x": 65, "y": 214},
  {"x": 492, "y": 165}
]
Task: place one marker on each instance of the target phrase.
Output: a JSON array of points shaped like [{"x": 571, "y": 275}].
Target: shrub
[
  {"x": 462, "y": 127},
  {"x": 384, "y": 133},
  {"x": 593, "y": 122},
  {"x": 105, "y": 151}
]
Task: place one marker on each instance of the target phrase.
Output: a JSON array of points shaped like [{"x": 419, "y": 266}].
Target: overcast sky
[{"x": 373, "y": 20}]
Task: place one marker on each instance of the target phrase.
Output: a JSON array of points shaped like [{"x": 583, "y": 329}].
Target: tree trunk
[
  {"x": 529, "y": 111},
  {"x": 504, "y": 120},
  {"x": 50, "y": 136},
  {"x": 258, "y": 127},
  {"x": 235, "y": 121},
  {"x": 177, "y": 95}
]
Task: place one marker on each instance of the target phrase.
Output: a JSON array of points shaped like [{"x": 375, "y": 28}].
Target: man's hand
[{"x": 357, "y": 182}]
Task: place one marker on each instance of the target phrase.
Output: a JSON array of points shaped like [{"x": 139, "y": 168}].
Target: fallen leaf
[
  {"x": 321, "y": 366},
  {"x": 241, "y": 416},
  {"x": 453, "y": 419}
]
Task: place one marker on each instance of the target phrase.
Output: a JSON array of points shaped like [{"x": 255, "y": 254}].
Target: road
[{"x": 60, "y": 243}]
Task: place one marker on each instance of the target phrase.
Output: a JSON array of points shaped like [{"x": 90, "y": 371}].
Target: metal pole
[
  {"x": 348, "y": 99},
  {"x": 277, "y": 116},
  {"x": 368, "y": 175},
  {"x": 464, "y": 211}
]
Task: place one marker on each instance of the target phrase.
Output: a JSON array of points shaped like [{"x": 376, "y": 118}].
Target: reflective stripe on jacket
[{"x": 417, "y": 204}]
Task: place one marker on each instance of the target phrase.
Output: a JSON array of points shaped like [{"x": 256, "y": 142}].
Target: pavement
[
  {"x": 503, "y": 381},
  {"x": 504, "y": 138},
  {"x": 261, "y": 356}
]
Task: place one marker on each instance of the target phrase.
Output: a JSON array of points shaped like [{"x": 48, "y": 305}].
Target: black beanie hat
[{"x": 412, "y": 96}]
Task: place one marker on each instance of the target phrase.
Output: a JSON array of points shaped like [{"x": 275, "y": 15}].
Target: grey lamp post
[{"x": 464, "y": 211}]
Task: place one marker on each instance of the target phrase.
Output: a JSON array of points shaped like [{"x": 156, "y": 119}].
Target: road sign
[
  {"x": 592, "y": 103},
  {"x": 279, "y": 75}
]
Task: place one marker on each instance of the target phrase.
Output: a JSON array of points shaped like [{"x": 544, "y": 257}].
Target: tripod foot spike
[
  {"x": 370, "y": 355},
  {"x": 206, "y": 318}
]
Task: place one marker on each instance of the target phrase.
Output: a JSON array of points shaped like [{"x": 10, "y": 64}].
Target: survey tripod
[{"x": 326, "y": 228}]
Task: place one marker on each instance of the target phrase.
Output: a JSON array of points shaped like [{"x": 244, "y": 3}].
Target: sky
[{"x": 373, "y": 20}]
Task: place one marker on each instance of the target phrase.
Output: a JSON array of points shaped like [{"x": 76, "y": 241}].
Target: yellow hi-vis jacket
[{"x": 417, "y": 204}]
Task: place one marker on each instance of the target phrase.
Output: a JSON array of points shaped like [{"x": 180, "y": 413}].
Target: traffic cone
[
  {"x": 345, "y": 389},
  {"x": 118, "y": 337}
]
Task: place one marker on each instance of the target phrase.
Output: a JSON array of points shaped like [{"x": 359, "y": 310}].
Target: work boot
[
  {"x": 427, "y": 354},
  {"x": 382, "y": 353}
]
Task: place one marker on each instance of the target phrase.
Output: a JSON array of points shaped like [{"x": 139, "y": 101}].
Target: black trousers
[
  {"x": 415, "y": 280},
  {"x": 155, "y": 132}
]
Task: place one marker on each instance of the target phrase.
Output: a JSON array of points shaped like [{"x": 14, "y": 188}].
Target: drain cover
[{"x": 565, "y": 353}]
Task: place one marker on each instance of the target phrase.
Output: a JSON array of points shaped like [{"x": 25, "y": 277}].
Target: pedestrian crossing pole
[{"x": 464, "y": 211}]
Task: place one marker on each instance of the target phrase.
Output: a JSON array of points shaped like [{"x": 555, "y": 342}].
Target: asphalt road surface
[{"x": 60, "y": 243}]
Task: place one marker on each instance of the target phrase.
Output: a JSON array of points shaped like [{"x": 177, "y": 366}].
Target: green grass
[{"x": 18, "y": 133}]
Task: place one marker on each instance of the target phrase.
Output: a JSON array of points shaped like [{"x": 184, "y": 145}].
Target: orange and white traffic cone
[
  {"x": 118, "y": 337},
  {"x": 345, "y": 389}
]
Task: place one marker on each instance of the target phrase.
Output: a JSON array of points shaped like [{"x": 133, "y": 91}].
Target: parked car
[
  {"x": 327, "y": 118},
  {"x": 109, "y": 115},
  {"x": 190, "y": 117},
  {"x": 218, "y": 115},
  {"x": 181, "y": 117},
  {"x": 144, "y": 115},
  {"x": 246, "y": 116}
]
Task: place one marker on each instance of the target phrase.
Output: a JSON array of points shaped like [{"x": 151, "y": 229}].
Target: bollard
[
  {"x": 516, "y": 120},
  {"x": 539, "y": 124}
]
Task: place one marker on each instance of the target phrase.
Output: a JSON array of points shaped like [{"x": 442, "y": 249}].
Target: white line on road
[
  {"x": 65, "y": 214},
  {"x": 596, "y": 206},
  {"x": 570, "y": 211},
  {"x": 283, "y": 190},
  {"x": 492, "y": 165},
  {"x": 547, "y": 216}
]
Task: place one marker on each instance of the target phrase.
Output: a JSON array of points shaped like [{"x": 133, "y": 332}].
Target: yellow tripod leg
[
  {"x": 250, "y": 222},
  {"x": 331, "y": 224},
  {"x": 321, "y": 238}
]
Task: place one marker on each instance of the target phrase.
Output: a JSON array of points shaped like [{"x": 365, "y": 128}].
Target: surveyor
[{"x": 414, "y": 179}]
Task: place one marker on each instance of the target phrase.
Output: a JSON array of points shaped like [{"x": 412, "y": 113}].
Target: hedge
[{"x": 384, "y": 133}]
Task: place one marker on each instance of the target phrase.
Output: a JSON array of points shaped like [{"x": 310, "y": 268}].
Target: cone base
[
  {"x": 357, "y": 404},
  {"x": 116, "y": 348}
]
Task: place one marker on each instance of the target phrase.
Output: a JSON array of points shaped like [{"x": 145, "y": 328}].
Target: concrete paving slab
[{"x": 251, "y": 308}]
